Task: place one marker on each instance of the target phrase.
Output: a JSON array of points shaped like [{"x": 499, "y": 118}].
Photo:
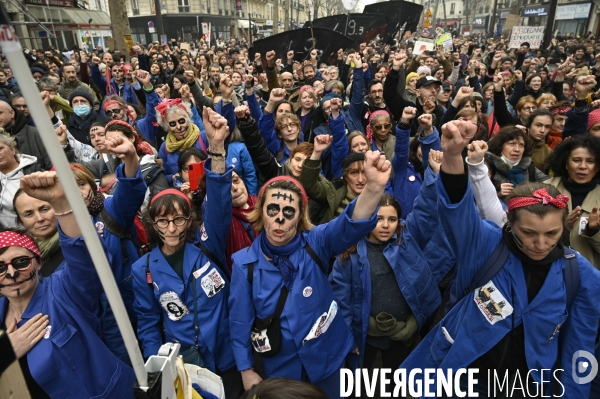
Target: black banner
[
  {"x": 398, "y": 14},
  {"x": 326, "y": 41},
  {"x": 361, "y": 28}
]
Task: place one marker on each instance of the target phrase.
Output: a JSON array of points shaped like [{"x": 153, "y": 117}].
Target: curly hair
[
  {"x": 504, "y": 135},
  {"x": 559, "y": 158}
]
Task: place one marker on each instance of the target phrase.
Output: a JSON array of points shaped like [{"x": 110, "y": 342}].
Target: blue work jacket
[
  {"x": 351, "y": 279},
  {"x": 213, "y": 338},
  {"x": 310, "y": 297},
  {"x": 71, "y": 361},
  {"x": 545, "y": 319}
]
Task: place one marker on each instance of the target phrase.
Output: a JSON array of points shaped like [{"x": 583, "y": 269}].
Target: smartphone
[
  {"x": 195, "y": 174},
  {"x": 433, "y": 53}
]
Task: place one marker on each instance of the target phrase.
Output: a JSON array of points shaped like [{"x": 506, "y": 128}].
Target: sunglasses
[
  {"x": 20, "y": 263},
  {"x": 181, "y": 121},
  {"x": 114, "y": 112},
  {"x": 385, "y": 126}
]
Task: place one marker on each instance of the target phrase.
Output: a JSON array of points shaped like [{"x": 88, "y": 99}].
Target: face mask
[{"x": 82, "y": 110}]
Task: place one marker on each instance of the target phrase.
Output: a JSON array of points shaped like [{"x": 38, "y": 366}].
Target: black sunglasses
[
  {"x": 181, "y": 121},
  {"x": 20, "y": 263},
  {"x": 114, "y": 112}
]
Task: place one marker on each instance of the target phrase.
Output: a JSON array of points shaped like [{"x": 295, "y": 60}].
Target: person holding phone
[{"x": 194, "y": 278}]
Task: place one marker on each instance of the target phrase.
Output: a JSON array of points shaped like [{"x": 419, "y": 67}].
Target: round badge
[
  {"x": 411, "y": 178},
  {"x": 234, "y": 160},
  {"x": 307, "y": 292}
]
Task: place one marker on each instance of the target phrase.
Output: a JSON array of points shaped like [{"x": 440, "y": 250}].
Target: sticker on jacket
[
  {"x": 212, "y": 283},
  {"x": 260, "y": 341},
  {"x": 322, "y": 323},
  {"x": 582, "y": 224},
  {"x": 491, "y": 303},
  {"x": 173, "y": 306}
]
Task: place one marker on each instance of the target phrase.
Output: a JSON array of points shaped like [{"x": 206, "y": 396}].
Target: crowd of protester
[{"x": 371, "y": 188}]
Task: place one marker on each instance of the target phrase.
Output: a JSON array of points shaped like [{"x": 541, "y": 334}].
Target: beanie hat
[
  {"x": 410, "y": 76},
  {"x": 37, "y": 69},
  {"x": 353, "y": 157},
  {"x": 329, "y": 96},
  {"x": 424, "y": 69},
  {"x": 81, "y": 93},
  {"x": 593, "y": 118}
]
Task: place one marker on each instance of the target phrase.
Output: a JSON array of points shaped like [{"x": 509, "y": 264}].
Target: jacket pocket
[
  {"x": 68, "y": 340},
  {"x": 440, "y": 346},
  {"x": 111, "y": 386}
]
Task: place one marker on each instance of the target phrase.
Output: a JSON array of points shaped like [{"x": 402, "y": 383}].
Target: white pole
[{"x": 11, "y": 47}]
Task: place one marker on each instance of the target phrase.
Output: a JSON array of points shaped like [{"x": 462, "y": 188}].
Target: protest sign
[
  {"x": 421, "y": 46},
  {"x": 534, "y": 35}
]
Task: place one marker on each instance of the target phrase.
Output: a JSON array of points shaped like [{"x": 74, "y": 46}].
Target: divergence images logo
[{"x": 583, "y": 366}]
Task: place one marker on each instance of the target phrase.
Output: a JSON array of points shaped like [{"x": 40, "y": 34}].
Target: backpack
[
  {"x": 496, "y": 262},
  {"x": 113, "y": 227}
]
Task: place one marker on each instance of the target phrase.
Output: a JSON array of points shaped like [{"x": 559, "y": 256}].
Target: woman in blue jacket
[
  {"x": 283, "y": 260},
  {"x": 51, "y": 322},
  {"x": 384, "y": 285},
  {"x": 519, "y": 323},
  {"x": 187, "y": 292}
]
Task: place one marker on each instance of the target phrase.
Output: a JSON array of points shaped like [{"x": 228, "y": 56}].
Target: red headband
[
  {"x": 14, "y": 239},
  {"x": 371, "y": 117},
  {"x": 540, "y": 196},
  {"x": 562, "y": 110},
  {"x": 121, "y": 123},
  {"x": 306, "y": 87},
  {"x": 291, "y": 180},
  {"x": 171, "y": 191}
]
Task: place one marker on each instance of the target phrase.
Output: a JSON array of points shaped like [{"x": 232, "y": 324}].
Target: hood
[
  {"x": 24, "y": 161},
  {"x": 20, "y": 122}
]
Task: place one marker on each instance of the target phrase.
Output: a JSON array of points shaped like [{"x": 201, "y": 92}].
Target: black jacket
[
  {"x": 265, "y": 162},
  {"x": 75, "y": 125},
  {"x": 29, "y": 141}
]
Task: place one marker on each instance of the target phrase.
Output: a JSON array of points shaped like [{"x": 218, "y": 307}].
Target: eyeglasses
[
  {"x": 20, "y": 263},
  {"x": 114, "y": 112},
  {"x": 385, "y": 126},
  {"x": 181, "y": 121},
  {"x": 19, "y": 106},
  {"x": 178, "y": 221},
  {"x": 286, "y": 127},
  {"x": 529, "y": 109}
]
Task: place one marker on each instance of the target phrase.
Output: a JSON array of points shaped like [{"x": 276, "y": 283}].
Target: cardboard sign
[
  {"x": 185, "y": 46},
  {"x": 532, "y": 34},
  {"x": 421, "y": 46},
  {"x": 129, "y": 44},
  {"x": 445, "y": 41}
]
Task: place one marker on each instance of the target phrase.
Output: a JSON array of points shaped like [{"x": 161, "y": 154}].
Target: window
[
  {"x": 136, "y": 7},
  {"x": 184, "y": 5},
  {"x": 452, "y": 7},
  {"x": 487, "y": 9}
]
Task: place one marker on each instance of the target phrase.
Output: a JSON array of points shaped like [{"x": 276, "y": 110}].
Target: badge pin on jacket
[{"x": 307, "y": 291}]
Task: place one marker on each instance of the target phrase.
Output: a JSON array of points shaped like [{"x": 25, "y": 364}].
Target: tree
[{"x": 119, "y": 24}]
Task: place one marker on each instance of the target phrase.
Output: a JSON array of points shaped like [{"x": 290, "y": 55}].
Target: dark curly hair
[
  {"x": 559, "y": 158},
  {"x": 506, "y": 134}
]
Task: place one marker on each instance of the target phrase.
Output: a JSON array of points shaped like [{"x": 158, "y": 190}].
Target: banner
[
  {"x": 445, "y": 41},
  {"x": 238, "y": 5},
  {"x": 206, "y": 32},
  {"x": 421, "y": 46},
  {"x": 534, "y": 35}
]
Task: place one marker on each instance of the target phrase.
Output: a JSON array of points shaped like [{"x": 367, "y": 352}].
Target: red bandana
[
  {"x": 540, "y": 196},
  {"x": 14, "y": 239}
]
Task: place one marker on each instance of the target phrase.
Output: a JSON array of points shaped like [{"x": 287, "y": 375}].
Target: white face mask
[{"x": 511, "y": 163}]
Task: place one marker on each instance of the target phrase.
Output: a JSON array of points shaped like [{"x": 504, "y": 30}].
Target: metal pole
[
  {"x": 159, "y": 24},
  {"x": 13, "y": 51},
  {"x": 491, "y": 29},
  {"x": 549, "y": 24}
]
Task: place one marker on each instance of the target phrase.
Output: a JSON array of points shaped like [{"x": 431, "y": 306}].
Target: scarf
[
  {"x": 240, "y": 236},
  {"x": 554, "y": 138},
  {"x": 515, "y": 175},
  {"x": 48, "y": 247},
  {"x": 97, "y": 204},
  {"x": 385, "y": 325},
  {"x": 280, "y": 257},
  {"x": 174, "y": 145},
  {"x": 578, "y": 191}
]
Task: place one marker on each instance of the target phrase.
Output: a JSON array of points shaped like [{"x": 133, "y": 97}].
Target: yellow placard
[
  {"x": 428, "y": 13},
  {"x": 427, "y": 22}
]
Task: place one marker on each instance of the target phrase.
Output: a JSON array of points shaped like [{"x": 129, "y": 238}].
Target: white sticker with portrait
[
  {"x": 212, "y": 283},
  {"x": 322, "y": 323},
  {"x": 583, "y": 221},
  {"x": 172, "y": 304},
  {"x": 491, "y": 303},
  {"x": 260, "y": 341}
]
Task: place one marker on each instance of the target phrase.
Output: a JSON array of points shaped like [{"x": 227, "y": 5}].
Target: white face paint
[{"x": 281, "y": 214}]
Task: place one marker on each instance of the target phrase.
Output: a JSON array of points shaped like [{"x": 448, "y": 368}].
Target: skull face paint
[{"x": 281, "y": 214}]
